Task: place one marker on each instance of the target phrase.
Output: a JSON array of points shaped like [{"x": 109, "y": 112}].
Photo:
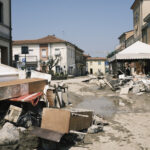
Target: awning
[{"x": 136, "y": 51}]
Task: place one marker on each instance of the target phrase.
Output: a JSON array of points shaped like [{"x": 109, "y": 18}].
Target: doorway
[
  {"x": 4, "y": 55},
  {"x": 91, "y": 71}
]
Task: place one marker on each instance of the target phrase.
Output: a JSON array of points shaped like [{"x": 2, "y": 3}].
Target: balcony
[{"x": 29, "y": 59}]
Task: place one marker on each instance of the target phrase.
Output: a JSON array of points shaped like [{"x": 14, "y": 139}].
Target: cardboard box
[{"x": 63, "y": 120}]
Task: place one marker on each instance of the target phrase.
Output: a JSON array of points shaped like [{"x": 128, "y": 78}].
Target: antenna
[{"x": 63, "y": 34}]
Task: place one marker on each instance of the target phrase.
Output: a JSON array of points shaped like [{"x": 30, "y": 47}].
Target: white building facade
[{"x": 42, "y": 49}]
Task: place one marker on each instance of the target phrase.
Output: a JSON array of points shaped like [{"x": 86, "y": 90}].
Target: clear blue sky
[{"x": 93, "y": 25}]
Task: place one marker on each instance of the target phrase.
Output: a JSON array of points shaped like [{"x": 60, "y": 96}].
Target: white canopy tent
[{"x": 137, "y": 50}]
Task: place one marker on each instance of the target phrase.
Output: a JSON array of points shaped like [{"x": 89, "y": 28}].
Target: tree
[{"x": 50, "y": 64}]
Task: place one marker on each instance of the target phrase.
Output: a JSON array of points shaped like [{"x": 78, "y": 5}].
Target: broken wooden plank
[
  {"x": 47, "y": 134},
  {"x": 22, "y": 87},
  {"x": 50, "y": 97},
  {"x": 108, "y": 84}
]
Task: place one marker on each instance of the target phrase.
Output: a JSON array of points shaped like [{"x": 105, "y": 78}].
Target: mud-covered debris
[
  {"x": 121, "y": 103},
  {"x": 124, "y": 90},
  {"x": 9, "y": 134},
  {"x": 13, "y": 113},
  {"x": 136, "y": 89},
  {"x": 29, "y": 119},
  {"x": 21, "y": 129},
  {"x": 99, "y": 121},
  {"x": 79, "y": 135},
  {"x": 95, "y": 129}
]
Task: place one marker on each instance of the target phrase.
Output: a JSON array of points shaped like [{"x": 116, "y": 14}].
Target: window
[
  {"x": 144, "y": 35},
  {"x": 57, "y": 49},
  {"x": 136, "y": 17},
  {"x": 99, "y": 62},
  {"x": 43, "y": 53},
  {"x": 1, "y": 12},
  {"x": 58, "y": 69},
  {"x": 57, "y": 52}
]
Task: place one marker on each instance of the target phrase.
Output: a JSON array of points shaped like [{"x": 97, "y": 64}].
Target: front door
[
  {"x": 91, "y": 71},
  {"x": 4, "y": 55}
]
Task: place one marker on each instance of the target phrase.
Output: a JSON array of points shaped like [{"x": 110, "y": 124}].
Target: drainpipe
[
  {"x": 10, "y": 34},
  {"x": 75, "y": 62}
]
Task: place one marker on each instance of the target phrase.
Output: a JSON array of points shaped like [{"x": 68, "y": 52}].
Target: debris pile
[
  {"x": 124, "y": 84},
  {"x": 33, "y": 110},
  {"x": 9, "y": 134},
  {"x": 135, "y": 84},
  {"x": 97, "y": 80}
]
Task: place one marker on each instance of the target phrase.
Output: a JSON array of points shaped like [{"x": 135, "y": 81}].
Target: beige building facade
[
  {"x": 96, "y": 65},
  {"x": 141, "y": 32},
  {"x": 141, "y": 8},
  {"x": 125, "y": 40},
  {"x": 5, "y": 32}
]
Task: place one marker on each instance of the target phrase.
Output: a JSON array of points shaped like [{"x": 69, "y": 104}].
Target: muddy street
[{"x": 128, "y": 116}]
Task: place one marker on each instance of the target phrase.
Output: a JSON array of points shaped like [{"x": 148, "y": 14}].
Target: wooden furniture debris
[
  {"x": 63, "y": 120},
  {"x": 106, "y": 81},
  {"x": 59, "y": 105},
  {"x": 13, "y": 113},
  {"x": 50, "y": 97},
  {"x": 30, "y": 98},
  {"x": 47, "y": 134},
  {"x": 22, "y": 87}
]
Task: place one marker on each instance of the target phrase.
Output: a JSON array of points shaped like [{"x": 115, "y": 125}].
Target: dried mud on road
[{"x": 128, "y": 116}]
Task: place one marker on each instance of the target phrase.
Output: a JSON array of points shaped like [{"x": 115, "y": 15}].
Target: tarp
[
  {"x": 137, "y": 50},
  {"x": 8, "y": 73}
]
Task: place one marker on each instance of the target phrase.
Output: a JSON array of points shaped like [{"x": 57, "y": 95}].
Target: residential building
[
  {"x": 69, "y": 55},
  {"x": 125, "y": 40},
  {"x": 146, "y": 30},
  {"x": 141, "y": 8},
  {"x": 85, "y": 57},
  {"x": 130, "y": 41},
  {"x": 96, "y": 65},
  {"x": 5, "y": 32},
  {"x": 80, "y": 62},
  {"x": 141, "y": 32}
]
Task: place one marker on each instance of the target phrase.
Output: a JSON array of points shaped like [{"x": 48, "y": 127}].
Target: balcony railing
[{"x": 28, "y": 58}]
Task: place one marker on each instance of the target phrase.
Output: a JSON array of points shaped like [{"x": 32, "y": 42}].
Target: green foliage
[
  {"x": 59, "y": 76},
  {"x": 50, "y": 63},
  {"x": 112, "y": 54}
]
